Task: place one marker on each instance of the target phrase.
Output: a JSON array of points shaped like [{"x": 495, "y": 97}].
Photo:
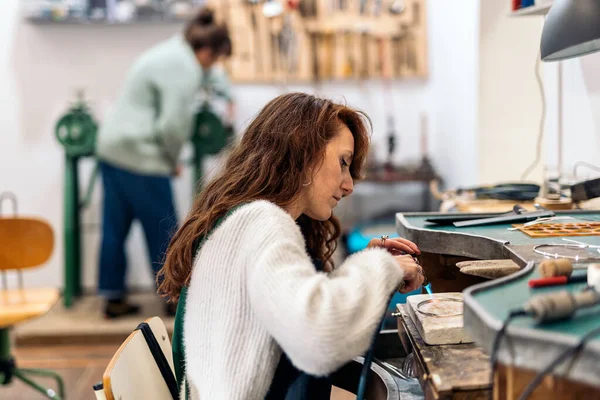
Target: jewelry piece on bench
[
  {"x": 435, "y": 310},
  {"x": 577, "y": 252}
]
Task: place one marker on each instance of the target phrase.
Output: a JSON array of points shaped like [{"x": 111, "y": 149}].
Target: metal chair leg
[
  {"x": 48, "y": 392},
  {"x": 48, "y": 373}
]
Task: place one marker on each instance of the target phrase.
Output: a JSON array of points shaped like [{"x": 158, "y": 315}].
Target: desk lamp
[{"x": 572, "y": 29}]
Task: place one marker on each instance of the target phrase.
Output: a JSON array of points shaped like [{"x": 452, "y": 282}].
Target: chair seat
[{"x": 18, "y": 305}]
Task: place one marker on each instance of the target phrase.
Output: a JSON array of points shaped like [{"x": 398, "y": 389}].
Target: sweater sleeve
[
  {"x": 320, "y": 321},
  {"x": 174, "y": 93}
]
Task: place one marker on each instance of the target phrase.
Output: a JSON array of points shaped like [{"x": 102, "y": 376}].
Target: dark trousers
[
  {"x": 289, "y": 383},
  {"x": 129, "y": 196}
]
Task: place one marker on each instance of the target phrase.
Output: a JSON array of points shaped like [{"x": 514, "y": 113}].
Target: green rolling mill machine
[{"x": 76, "y": 131}]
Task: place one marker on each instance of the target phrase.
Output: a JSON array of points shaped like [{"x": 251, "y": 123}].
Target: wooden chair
[
  {"x": 133, "y": 372},
  {"x": 24, "y": 243}
]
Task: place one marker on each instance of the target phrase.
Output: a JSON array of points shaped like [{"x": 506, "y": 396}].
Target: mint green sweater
[{"x": 154, "y": 114}]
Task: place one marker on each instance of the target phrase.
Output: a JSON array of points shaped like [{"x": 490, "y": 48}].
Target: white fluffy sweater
[{"x": 255, "y": 292}]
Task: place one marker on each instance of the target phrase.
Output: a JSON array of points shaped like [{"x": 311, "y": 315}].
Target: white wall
[
  {"x": 581, "y": 114},
  {"x": 511, "y": 106},
  {"x": 452, "y": 94},
  {"x": 42, "y": 66},
  {"x": 509, "y": 100}
]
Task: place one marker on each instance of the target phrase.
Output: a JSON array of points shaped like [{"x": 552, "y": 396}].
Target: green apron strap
[
  {"x": 178, "y": 353},
  {"x": 177, "y": 344}
]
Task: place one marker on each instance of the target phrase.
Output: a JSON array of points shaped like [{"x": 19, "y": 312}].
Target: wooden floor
[
  {"x": 80, "y": 366},
  {"x": 84, "y": 323}
]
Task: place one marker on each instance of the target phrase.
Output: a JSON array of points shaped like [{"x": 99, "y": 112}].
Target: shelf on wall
[
  {"x": 86, "y": 21},
  {"x": 531, "y": 10}
]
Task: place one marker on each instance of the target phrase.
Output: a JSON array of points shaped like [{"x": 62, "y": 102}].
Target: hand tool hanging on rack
[
  {"x": 271, "y": 10},
  {"x": 258, "y": 67},
  {"x": 411, "y": 59},
  {"x": 364, "y": 54},
  {"x": 304, "y": 8},
  {"x": 396, "y": 44},
  {"x": 377, "y": 7},
  {"x": 416, "y": 14},
  {"x": 349, "y": 64},
  {"x": 363, "y": 7},
  {"x": 275, "y": 48},
  {"x": 404, "y": 49},
  {"x": 330, "y": 60},
  {"x": 383, "y": 67},
  {"x": 289, "y": 46},
  {"x": 397, "y": 7},
  {"x": 314, "y": 49},
  {"x": 411, "y": 45},
  {"x": 389, "y": 103}
]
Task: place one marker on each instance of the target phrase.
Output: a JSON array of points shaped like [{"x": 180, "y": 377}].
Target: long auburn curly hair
[{"x": 274, "y": 157}]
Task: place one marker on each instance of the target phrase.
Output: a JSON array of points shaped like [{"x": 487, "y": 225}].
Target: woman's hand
[
  {"x": 413, "y": 273},
  {"x": 404, "y": 251},
  {"x": 396, "y": 246}
]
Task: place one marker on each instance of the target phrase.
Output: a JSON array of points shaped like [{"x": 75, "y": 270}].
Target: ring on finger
[{"x": 383, "y": 239}]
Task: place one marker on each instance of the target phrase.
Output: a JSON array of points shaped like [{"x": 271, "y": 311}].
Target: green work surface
[
  {"x": 498, "y": 301},
  {"x": 488, "y": 304},
  {"x": 501, "y": 232}
]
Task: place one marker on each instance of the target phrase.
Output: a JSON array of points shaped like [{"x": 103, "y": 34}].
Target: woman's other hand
[
  {"x": 396, "y": 246},
  {"x": 413, "y": 273}
]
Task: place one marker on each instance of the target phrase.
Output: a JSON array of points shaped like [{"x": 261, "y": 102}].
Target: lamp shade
[{"x": 572, "y": 29}]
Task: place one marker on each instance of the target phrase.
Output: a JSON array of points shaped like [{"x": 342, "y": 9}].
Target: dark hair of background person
[{"x": 202, "y": 31}]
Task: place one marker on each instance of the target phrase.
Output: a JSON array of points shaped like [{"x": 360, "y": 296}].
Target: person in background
[
  {"x": 139, "y": 144},
  {"x": 262, "y": 312}
]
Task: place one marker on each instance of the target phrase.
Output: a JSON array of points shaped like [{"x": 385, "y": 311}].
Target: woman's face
[{"x": 331, "y": 180}]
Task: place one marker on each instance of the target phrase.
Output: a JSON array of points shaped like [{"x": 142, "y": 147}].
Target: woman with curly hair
[{"x": 260, "y": 302}]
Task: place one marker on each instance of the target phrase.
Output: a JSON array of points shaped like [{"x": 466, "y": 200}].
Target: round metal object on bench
[
  {"x": 575, "y": 252},
  {"x": 431, "y": 307}
]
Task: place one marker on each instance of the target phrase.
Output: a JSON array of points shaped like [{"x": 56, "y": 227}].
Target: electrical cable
[
  {"x": 364, "y": 373},
  {"x": 570, "y": 352},
  {"x": 496, "y": 345},
  {"x": 584, "y": 164},
  {"x": 538, "y": 147}
]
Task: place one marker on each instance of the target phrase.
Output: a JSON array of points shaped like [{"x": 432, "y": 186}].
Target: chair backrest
[
  {"x": 25, "y": 243},
  {"x": 133, "y": 373}
]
